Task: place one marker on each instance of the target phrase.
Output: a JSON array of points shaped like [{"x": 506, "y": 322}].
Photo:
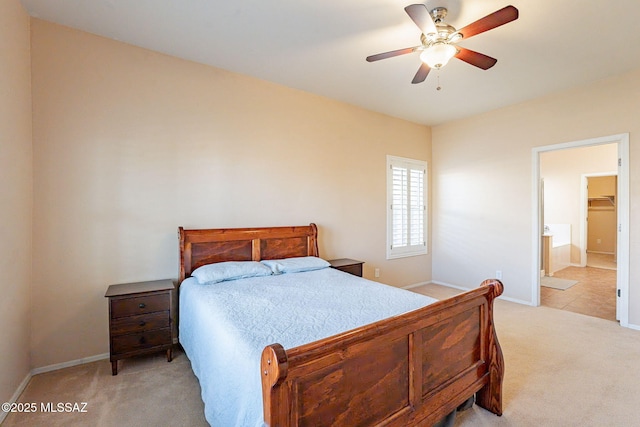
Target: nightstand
[
  {"x": 347, "y": 265},
  {"x": 140, "y": 319}
]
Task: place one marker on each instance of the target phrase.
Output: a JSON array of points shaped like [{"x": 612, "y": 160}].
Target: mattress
[{"x": 225, "y": 326}]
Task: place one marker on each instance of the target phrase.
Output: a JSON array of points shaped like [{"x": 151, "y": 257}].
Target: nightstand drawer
[
  {"x": 132, "y": 342},
  {"x": 355, "y": 269},
  {"x": 347, "y": 265},
  {"x": 141, "y": 319},
  {"x": 142, "y": 322},
  {"x": 122, "y": 307}
]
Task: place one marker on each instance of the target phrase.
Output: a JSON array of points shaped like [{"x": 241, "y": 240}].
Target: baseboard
[
  {"x": 70, "y": 363},
  {"x": 449, "y": 285},
  {"x": 49, "y": 368},
  {"x": 415, "y": 285},
  {"x": 601, "y": 253},
  {"x": 630, "y": 326},
  {"x": 502, "y": 297},
  {"x": 16, "y": 395}
]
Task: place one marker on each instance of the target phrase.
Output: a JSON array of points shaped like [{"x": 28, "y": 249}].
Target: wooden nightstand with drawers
[
  {"x": 347, "y": 265},
  {"x": 140, "y": 319}
]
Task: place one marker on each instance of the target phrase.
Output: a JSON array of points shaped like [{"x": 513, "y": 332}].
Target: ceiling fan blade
[
  {"x": 477, "y": 59},
  {"x": 489, "y": 22},
  {"x": 422, "y": 18},
  {"x": 422, "y": 74},
  {"x": 391, "y": 54}
]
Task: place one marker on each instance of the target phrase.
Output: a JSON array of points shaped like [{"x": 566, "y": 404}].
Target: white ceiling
[{"x": 320, "y": 46}]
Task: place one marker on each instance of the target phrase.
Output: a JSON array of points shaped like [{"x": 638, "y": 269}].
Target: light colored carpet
[
  {"x": 562, "y": 369},
  {"x": 557, "y": 283},
  {"x": 148, "y": 391}
]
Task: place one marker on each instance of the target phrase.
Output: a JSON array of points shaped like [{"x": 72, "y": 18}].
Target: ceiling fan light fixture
[
  {"x": 438, "y": 39},
  {"x": 438, "y": 55}
]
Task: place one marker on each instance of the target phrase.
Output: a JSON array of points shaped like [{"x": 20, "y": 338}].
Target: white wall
[
  {"x": 130, "y": 144},
  {"x": 483, "y": 181},
  {"x": 16, "y": 194}
]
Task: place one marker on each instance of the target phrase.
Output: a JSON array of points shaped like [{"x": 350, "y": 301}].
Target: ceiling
[{"x": 320, "y": 46}]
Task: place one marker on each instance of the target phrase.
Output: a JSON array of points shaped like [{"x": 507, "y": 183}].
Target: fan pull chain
[{"x": 438, "y": 76}]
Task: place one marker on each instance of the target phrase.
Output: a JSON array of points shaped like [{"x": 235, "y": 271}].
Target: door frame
[{"x": 622, "y": 141}]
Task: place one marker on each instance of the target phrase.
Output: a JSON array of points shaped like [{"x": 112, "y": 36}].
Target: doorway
[
  {"x": 561, "y": 207},
  {"x": 600, "y": 220}
]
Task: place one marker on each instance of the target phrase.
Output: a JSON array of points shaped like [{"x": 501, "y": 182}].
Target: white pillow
[
  {"x": 296, "y": 264},
  {"x": 230, "y": 270}
]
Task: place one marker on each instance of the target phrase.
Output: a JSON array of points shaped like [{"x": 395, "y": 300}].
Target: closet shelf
[{"x": 597, "y": 201}]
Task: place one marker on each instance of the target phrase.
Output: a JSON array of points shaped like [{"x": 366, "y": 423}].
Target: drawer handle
[
  {"x": 141, "y": 305},
  {"x": 142, "y": 323},
  {"x": 142, "y": 340}
]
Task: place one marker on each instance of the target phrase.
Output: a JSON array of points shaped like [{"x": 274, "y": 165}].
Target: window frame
[{"x": 409, "y": 249}]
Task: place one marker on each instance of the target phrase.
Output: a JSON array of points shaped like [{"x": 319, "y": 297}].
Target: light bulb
[{"x": 438, "y": 54}]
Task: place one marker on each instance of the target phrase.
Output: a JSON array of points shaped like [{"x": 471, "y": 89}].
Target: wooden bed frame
[{"x": 408, "y": 370}]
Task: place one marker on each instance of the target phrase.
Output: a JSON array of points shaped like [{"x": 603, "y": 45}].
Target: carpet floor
[{"x": 562, "y": 369}]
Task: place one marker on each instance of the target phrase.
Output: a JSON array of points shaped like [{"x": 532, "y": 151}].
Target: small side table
[
  {"x": 347, "y": 265},
  {"x": 140, "y": 319}
]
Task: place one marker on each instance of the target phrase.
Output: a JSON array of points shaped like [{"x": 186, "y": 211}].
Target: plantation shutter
[{"x": 407, "y": 207}]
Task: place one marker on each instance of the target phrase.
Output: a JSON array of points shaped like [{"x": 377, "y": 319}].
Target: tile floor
[{"x": 593, "y": 295}]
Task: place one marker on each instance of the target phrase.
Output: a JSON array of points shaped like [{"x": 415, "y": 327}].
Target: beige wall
[
  {"x": 130, "y": 144},
  {"x": 562, "y": 172},
  {"x": 482, "y": 189},
  {"x": 15, "y": 196}
]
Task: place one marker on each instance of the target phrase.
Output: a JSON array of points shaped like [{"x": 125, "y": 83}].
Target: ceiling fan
[{"x": 439, "y": 39}]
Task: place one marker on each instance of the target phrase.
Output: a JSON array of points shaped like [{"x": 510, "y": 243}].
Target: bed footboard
[{"x": 411, "y": 369}]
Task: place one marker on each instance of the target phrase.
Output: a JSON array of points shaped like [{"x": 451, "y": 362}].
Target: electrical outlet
[
  {"x": 499, "y": 274},
  {"x": 376, "y": 272}
]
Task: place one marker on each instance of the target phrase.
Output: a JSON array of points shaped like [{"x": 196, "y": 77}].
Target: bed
[{"x": 395, "y": 365}]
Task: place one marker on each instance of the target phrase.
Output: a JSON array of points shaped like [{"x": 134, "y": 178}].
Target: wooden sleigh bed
[{"x": 413, "y": 369}]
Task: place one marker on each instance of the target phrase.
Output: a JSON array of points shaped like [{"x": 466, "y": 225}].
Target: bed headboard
[{"x": 208, "y": 246}]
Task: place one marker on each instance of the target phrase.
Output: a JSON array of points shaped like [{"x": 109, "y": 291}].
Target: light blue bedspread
[{"x": 225, "y": 326}]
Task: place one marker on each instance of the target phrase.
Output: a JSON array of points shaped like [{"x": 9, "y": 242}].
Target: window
[{"x": 407, "y": 210}]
